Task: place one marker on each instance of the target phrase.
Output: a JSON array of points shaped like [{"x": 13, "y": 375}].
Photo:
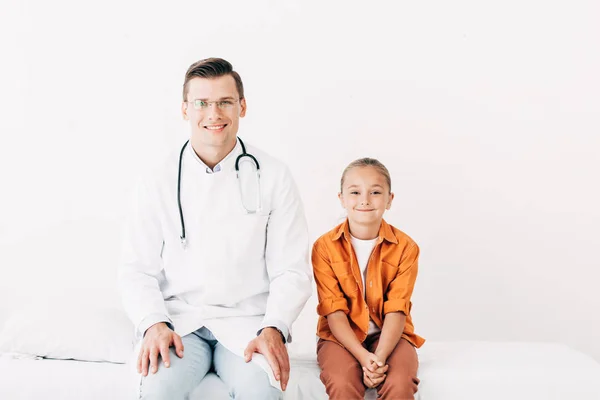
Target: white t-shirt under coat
[{"x": 363, "y": 250}]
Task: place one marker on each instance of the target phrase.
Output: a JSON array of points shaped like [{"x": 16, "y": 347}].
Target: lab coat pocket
[
  {"x": 244, "y": 237},
  {"x": 343, "y": 272}
]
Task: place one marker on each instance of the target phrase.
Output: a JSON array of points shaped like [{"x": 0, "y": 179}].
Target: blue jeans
[{"x": 201, "y": 353}]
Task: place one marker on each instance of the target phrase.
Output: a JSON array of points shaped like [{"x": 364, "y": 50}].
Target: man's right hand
[{"x": 157, "y": 340}]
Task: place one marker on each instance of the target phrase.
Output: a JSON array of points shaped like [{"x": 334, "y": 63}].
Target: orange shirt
[{"x": 391, "y": 275}]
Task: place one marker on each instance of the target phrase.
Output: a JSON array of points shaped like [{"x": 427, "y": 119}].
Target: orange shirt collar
[{"x": 385, "y": 232}]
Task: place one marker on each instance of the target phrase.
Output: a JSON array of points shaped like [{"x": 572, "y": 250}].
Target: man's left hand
[{"x": 270, "y": 344}]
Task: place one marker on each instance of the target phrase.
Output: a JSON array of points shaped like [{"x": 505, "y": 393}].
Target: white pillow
[{"x": 69, "y": 329}]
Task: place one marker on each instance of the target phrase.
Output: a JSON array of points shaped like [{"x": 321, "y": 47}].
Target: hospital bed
[{"x": 466, "y": 370}]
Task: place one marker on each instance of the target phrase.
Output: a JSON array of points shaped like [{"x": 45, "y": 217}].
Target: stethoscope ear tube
[{"x": 182, "y": 237}]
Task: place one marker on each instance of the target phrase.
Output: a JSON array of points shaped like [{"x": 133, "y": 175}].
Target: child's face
[{"x": 365, "y": 195}]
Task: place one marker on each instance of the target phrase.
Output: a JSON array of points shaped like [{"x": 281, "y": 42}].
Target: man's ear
[
  {"x": 243, "y": 106},
  {"x": 184, "y": 114}
]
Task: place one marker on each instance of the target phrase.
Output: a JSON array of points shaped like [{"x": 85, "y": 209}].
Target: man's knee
[
  {"x": 161, "y": 393},
  {"x": 254, "y": 385},
  {"x": 161, "y": 389},
  {"x": 166, "y": 383}
]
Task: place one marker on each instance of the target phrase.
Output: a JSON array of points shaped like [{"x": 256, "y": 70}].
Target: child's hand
[
  {"x": 372, "y": 382},
  {"x": 373, "y": 379},
  {"x": 371, "y": 361},
  {"x": 374, "y": 369}
]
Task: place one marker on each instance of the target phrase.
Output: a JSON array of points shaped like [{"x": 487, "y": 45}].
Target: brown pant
[{"x": 342, "y": 374}]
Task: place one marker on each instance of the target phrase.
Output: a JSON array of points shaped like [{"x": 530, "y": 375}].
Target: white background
[{"x": 486, "y": 114}]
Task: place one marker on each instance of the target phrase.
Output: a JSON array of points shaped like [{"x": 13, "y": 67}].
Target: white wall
[{"x": 485, "y": 114}]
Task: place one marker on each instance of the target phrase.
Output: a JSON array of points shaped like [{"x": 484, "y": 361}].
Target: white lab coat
[{"x": 238, "y": 273}]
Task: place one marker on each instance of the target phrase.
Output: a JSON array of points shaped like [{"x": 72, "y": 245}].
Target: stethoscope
[{"x": 237, "y": 174}]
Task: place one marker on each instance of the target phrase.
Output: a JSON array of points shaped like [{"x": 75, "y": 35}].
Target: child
[{"x": 365, "y": 271}]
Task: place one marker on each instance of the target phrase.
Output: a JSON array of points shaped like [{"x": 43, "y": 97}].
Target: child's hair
[{"x": 368, "y": 162}]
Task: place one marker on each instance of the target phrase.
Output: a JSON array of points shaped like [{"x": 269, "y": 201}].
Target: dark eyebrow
[
  {"x": 373, "y": 186},
  {"x": 221, "y": 99}
]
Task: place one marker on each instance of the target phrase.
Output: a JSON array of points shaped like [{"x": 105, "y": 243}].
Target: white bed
[
  {"x": 500, "y": 371},
  {"x": 60, "y": 329},
  {"x": 449, "y": 371}
]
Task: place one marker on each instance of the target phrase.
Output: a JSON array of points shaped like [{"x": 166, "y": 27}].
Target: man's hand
[
  {"x": 270, "y": 344},
  {"x": 159, "y": 337}
]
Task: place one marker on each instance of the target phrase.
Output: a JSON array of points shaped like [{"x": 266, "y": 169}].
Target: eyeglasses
[{"x": 204, "y": 105}]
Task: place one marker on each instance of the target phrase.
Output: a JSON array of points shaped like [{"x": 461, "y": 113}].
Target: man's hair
[
  {"x": 212, "y": 68},
  {"x": 368, "y": 162}
]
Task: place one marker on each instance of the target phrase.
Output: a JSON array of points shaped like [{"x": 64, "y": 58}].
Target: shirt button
[
  {"x": 371, "y": 284},
  {"x": 373, "y": 309}
]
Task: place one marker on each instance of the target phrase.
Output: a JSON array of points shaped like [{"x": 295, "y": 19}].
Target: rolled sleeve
[
  {"x": 328, "y": 306},
  {"x": 331, "y": 297},
  {"x": 396, "y": 305},
  {"x": 400, "y": 290}
]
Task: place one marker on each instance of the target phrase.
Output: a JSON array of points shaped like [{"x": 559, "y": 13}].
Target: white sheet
[
  {"x": 448, "y": 371},
  {"x": 61, "y": 379},
  {"x": 26, "y": 379},
  {"x": 501, "y": 371}
]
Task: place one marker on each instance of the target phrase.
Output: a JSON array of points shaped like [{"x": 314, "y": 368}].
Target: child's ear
[
  {"x": 341, "y": 199},
  {"x": 389, "y": 204}
]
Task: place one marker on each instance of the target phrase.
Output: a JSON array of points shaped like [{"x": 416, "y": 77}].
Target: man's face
[
  {"x": 216, "y": 124},
  {"x": 365, "y": 195}
]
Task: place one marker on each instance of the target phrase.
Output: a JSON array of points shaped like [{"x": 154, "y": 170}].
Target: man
[{"x": 215, "y": 262}]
